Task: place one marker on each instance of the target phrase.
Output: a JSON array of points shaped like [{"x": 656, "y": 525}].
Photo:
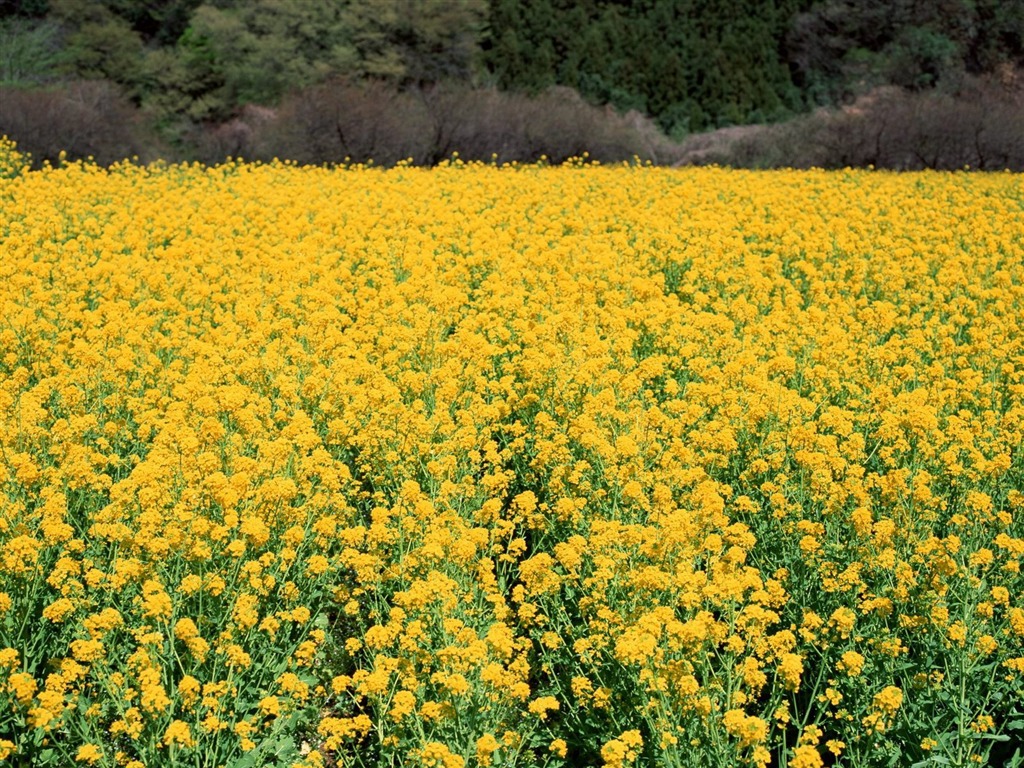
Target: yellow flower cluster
[{"x": 485, "y": 465}]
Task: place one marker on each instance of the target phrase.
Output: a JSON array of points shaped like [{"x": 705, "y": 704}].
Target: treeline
[
  {"x": 697, "y": 64},
  {"x": 180, "y": 77}
]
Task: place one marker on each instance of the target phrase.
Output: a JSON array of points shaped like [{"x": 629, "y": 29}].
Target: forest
[{"x": 188, "y": 78}]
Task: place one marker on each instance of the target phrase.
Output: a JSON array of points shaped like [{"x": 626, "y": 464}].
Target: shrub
[
  {"x": 976, "y": 127},
  {"x": 83, "y": 119},
  {"x": 339, "y": 121}
]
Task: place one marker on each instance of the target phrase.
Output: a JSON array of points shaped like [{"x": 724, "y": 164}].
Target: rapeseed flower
[{"x": 509, "y": 464}]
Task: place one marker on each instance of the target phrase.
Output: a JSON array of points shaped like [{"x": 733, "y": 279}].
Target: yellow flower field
[{"x": 508, "y": 466}]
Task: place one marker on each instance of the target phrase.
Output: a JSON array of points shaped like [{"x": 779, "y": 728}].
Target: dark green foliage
[
  {"x": 688, "y": 64},
  {"x": 253, "y": 52},
  {"x": 158, "y": 21},
  {"x": 99, "y": 44},
  {"x": 415, "y": 42},
  {"x": 839, "y": 48},
  {"x": 27, "y": 8}
]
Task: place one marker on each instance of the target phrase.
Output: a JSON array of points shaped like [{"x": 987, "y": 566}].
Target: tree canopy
[{"x": 690, "y": 64}]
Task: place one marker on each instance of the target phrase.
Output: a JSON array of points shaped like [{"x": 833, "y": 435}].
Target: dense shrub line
[{"x": 977, "y": 126}]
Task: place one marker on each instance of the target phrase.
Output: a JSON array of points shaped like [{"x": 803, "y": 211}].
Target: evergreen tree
[
  {"x": 838, "y": 48},
  {"x": 690, "y": 63}
]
